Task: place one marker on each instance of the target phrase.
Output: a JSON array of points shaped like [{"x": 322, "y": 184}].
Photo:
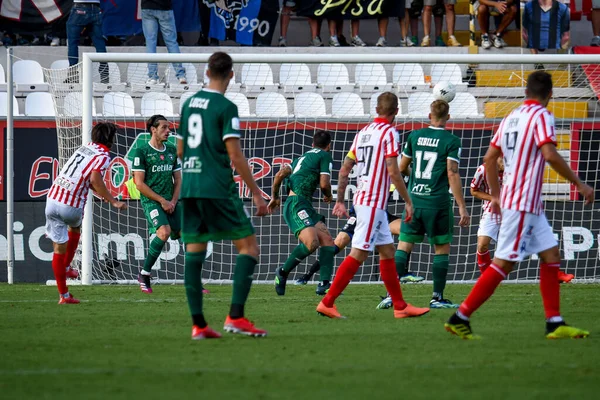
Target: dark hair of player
[
  {"x": 387, "y": 104},
  {"x": 154, "y": 121},
  {"x": 220, "y": 65},
  {"x": 321, "y": 139},
  {"x": 539, "y": 85},
  {"x": 439, "y": 109},
  {"x": 104, "y": 133}
]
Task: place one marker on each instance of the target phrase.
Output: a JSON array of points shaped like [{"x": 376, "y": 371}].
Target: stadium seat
[
  {"x": 117, "y": 104},
  {"x": 184, "y": 97},
  {"x": 3, "y": 105},
  {"x": 464, "y": 105},
  {"x": 271, "y": 105},
  {"x": 157, "y": 103},
  {"x": 257, "y": 77},
  {"x": 137, "y": 75},
  {"x": 39, "y": 104},
  {"x": 241, "y": 101},
  {"x": 409, "y": 77},
  {"x": 373, "y": 105},
  {"x": 114, "y": 79},
  {"x": 59, "y": 64},
  {"x": 347, "y": 105},
  {"x": 419, "y": 104},
  {"x": 295, "y": 78},
  {"x": 371, "y": 78},
  {"x": 333, "y": 78},
  {"x": 447, "y": 73},
  {"x": 73, "y": 105},
  {"x": 190, "y": 75},
  {"x": 28, "y": 76},
  {"x": 309, "y": 105}
]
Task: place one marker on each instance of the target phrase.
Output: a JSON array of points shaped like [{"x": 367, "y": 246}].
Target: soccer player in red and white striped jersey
[
  {"x": 526, "y": 140},
  {"x": 374, "y": 151},
  {"x": 66, "y": 200}
]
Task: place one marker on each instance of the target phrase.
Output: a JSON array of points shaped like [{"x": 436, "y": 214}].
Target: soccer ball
[{"x": 444, "y": 91}]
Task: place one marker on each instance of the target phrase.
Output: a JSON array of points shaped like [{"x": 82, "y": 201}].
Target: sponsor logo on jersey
[
  {"x": 235, "y": 123},
  {"x": 154, "y": 213},
  {"x": 155, "y": 222},
  {"x": 366, "y": 246},
  {"x": 303, "y": 214},
  {"x": 162, "y": 168},
  {"x": 513, "y": 256},
  {"x": 429, "y": 142}
]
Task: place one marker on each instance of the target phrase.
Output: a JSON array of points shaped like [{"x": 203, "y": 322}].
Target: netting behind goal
[{"x": 282, "y": 105}]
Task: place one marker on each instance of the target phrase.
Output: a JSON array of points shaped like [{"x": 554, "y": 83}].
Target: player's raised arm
[
  {"x": 277, "y": 181},
  {"x": 396, "y": 177},
  {"x": 339, "y": 210}
]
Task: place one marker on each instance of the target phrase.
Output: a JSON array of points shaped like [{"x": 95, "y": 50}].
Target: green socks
[
  {"x": 440, "y": 271},
  {"x": 401, "y": 258},
  {"x": 156, "y": 246},
  {"x": 299, "y": 254},
  {"x": 242, "y": 282},
  {"x": 326, "y": 256},
  {"x": 192, "y": 279}
]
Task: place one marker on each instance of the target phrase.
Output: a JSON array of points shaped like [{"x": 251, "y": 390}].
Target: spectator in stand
[
  {"x": 483, "y": 10},
  {"x": 382, "y": 25},
  {"x": 435, "y": 7},
  {"x": 86, "y": 15},
  {"x": 336, "y": 29},
  {"x": 410, "y": 20},
  {"x": 289, "y": 6},
  {"x": 158, "y": 14},
  {"x": 546, "y": 25},
  {"x": 596, "y": 23},
  {"x": 356, "y": 41}
]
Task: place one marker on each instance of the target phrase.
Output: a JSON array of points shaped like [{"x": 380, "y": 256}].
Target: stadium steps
[
  {"x": 517, "y": 78},
  {"x": 512, "y": 38},
  {"x": 560, "y": 109}
]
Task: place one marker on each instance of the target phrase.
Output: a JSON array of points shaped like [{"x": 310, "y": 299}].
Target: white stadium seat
[
  {"x": 309, "y": 105},
  {"x": 137, "y": 75},
  {"x": 419, "y": 104},
  {"x": 39, "y": 104},
  {"x": 59, "y": 64},
  {"x": 241, "y": 101},
  {"x": 114, "y": 73},
  {"x": 3, "y": 105},
  {"x": 157, "y": 103},
  {"x": 333, "y": 77},
  {"x": 295, "y": 78},
  {"x": 73, "y": 105},
  {"x": 190, "y": 74},
  {"x": 271, "y": 104},
  {"x": 29, "y": 76},
  {"x": 409, "y": 77},
  {"x": 257, "y": 77},
  {"x": 371, "y": 78},
  {"x": 118, "y": 104},
  {"x": 373, "y": 105},
  {"x": 464, "y": 105},
  {"x": 347, "y": 105},
  {"x": 447, "y": 73},
  {"x": 184, "y": 97}
]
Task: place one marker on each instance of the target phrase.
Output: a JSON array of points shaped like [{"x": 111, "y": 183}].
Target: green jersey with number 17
[
  {"x": 208, "y": 119},
  {"x": 430, "y": 149},
  {"x": 307, "y": 171}
]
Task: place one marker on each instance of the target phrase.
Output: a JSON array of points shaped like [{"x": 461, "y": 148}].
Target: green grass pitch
[{"x": 122, "y": 344}]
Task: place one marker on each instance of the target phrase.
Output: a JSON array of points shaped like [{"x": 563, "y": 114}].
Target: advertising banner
[{"x": 350, "y": 9}]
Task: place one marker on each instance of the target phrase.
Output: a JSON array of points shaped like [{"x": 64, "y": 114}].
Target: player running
[
  {"x": 306, "y": 172},
  {"x": 212, "y": 209},
  {"x": 157, "y": 175},
  {"x": 488, "y": 224},
  {"x": 375, "y": 152},
  {"x": 434, "y": 154},
  {"x": 66, "y": 201},
  {"x": 526, "y": 140}
]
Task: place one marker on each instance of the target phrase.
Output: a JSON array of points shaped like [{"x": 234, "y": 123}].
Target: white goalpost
[{"x": 283, "y": 98}]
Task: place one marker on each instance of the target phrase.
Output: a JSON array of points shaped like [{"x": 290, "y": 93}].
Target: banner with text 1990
[
  {"x": 350, "y": 9},
  {"x": 248, "y": 22}
]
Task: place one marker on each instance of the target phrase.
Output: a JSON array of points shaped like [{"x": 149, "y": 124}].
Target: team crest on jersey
[
  {"x": 303, "y": 214},
  {"x": 153, "y": 213},
  {"x": 162, "y": 157}
]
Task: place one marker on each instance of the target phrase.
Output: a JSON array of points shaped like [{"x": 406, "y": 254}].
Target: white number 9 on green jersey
[{"x": 194, "y": 130}]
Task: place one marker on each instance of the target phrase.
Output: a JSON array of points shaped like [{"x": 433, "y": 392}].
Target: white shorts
[
  {"x": 523, "y": 234},
  {"x": 488, "y": 226},
  {"x": 372, "y": 228},
  {"x": 58, "y": 218}
]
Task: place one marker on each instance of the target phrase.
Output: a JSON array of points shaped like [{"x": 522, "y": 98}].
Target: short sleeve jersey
[
  {"x": 158, "y": 166},
  {"x": 429, "y": 149},
  {"x": 307, "y": 171},
  {"x": 208, "y": 119}
]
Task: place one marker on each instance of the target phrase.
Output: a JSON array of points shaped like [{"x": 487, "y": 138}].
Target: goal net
[{"x": 283, "y": 99}]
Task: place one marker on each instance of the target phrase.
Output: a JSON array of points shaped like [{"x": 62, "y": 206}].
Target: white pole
[
  {"x": 86, "y": 137},
  {"x": 10, "y": 198}
]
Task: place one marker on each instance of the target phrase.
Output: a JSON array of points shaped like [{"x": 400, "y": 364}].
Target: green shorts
[
  {"x": 157, "y": 217},
  {"x": 214, "y": 220},
  {"x": 299, "y": 213},
  {"x": 438, "y": 225}
]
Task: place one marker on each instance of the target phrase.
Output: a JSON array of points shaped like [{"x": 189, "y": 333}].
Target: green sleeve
[
  {"x": 326, "y": 164},
  {"x": 138, "y": 160},
  {"x": 454, "y": 150},
  {"x": 231, "y": 122},
  {"x": 408, "y": 151}
]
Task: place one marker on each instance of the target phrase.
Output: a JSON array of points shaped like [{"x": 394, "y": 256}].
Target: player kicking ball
[
  {"x": 488, "y": 224},
  {"x": 375, "y": 153},
  {"x": 157, "y": 176},
  {"x": 67, "y": 197},
  {"x": 306, "y": 172},
  {"x": 526, "y": 140},
  {"x": 212, "y": 209}
]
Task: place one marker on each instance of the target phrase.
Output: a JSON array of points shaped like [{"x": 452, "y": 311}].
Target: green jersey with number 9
[
  {"x": 208, "y": 119},
  {"x": 429, "y": 150}
]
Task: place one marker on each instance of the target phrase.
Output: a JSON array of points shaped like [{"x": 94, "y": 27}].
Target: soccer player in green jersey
[
  {"x": 209, "y": 143},
  {"x": 157, "y": 175},
  {"x": 306, "y": 172},
  {"x": 431, "y": 157}
]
